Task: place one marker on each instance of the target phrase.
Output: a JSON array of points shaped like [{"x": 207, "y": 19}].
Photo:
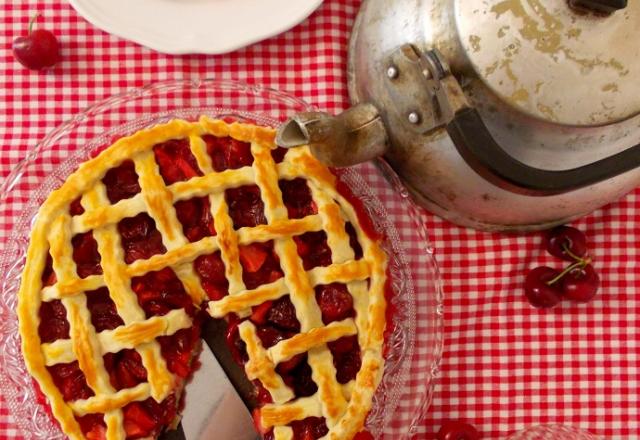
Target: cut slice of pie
[{"x": 185, "y": 217}]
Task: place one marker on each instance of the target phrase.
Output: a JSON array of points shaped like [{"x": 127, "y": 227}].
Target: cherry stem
[
  {"x": 32, "y": 21},
  {"x": 579, "y": 264},
  {"x": 567, "y": 249}
]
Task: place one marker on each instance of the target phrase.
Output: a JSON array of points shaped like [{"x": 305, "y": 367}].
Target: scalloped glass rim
[
  {"x": 553, "y": 432},
  {"x": 398, "y": 406}
]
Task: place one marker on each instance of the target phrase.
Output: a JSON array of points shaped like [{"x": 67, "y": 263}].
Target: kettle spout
[{"x": 354, "y": 136}]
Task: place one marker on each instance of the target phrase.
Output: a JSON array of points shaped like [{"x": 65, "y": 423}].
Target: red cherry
[
  {"x": 538, "y": 292},
  {"x": 38, "y": 50},
  {"x": 457, "y": 430},
  {"x": 581, "y": 284},
  {"x": 566, "y": 237}
]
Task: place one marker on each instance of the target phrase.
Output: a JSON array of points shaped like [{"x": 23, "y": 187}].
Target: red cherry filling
[
  {"x": 346, "y": 358},
  {"x": 245, "y": 206},
  {"x": 178, "y": 349},
  {"x": 146, "y": 418},
  {"x": 296, "y": 196},
  {"x": 195, "y": 216},
  {"x": 282, "y": 314},
  {"x": 260, "y": 264},
  {"x": 121, "y": 182},
  {"x": 313, "y": 249},
  {"x": 70, "y": 381},
  {"x": 335, "y": 302},
  {"x": 93, "y": 426},
  {"x": 140, "y": 238},
  {"x": 85, "y": 255},
  {"x": 278, "y": 154},
  {"x": 270, "y": 335},
  {"x": 299, "y": 378},
  {"x": 125, "y": 369},
  {"x": 176, "y": 161},
  {"x": 104, "y": 315},
  {"x": 160, "y": 292},
  {"x": 212, "y": 274},
  {"x": 228, "y": 153},
  {"x": 76, "y": 207},
  {"x": 310, "y": 428},
  {"x": 53, "y": 321}
]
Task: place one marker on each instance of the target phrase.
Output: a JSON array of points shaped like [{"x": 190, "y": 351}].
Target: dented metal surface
[
  {"x": 551, "y": 62},
  {"x": 429, "y": 163}
]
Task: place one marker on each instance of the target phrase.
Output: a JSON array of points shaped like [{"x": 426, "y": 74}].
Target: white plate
[{"x": 195, "y": 26}]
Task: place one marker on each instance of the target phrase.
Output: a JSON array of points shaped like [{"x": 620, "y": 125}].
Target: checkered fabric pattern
[{"x": 506, "y": 366}]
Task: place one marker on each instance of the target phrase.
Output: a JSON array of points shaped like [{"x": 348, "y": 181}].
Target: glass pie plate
[{"x": 415, "y": 340}]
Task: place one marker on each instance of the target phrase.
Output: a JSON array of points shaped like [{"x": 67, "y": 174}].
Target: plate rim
[{"x": 185, "y": 47}]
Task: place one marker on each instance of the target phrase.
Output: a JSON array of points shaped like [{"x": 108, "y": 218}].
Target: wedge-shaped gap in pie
[
  {"x": 246, "y": 208},
  {"x": 260, "y": 264},
  {"x": 93, "y": 426},
  {"x": 314, "y": 249},
  {"x": 196, "y": 219},
  {"x": 147, "y": 418},
  {"x": 262, "y": 395},
  {"x": 71, "y": 381},
  {"x": 125, "y": 369},
  {"x": 121, "y": 182},
  {"x": 180, "y": 350},
  {"x": 160, "y": 292},
  {"x": 211, "y": 270},
  {"x": 228, "y": 153},
  {"x": 296, "y": 196},
  {"x": 140, "y": 238},
  {"x": 53, "y": 321},
  {"x": 335, "y": 302},
  {"x": 236, "y": 345},
  {"x": 85, "y": 255},
  {"x": 278, "y": 154},
  {"x": 347, "y": 358},
  {"x": 75, "y": 208},
  {"x": 353, "y": 241},
  {"x": 104, "y": 315},
  {"x": 176, "y": 161}
]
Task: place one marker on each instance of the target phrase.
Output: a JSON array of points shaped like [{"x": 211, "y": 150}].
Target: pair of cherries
[{"x": 545, "y": 286}]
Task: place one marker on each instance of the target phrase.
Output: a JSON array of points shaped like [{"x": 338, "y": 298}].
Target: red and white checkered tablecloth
[{"x": 506, "y": 366}]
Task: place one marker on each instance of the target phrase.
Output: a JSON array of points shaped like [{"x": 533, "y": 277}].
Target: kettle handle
[{"x": 479, "y": 149}]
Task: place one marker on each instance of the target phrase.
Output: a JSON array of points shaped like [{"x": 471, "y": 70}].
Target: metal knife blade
[{"x": 218, "y": 397}]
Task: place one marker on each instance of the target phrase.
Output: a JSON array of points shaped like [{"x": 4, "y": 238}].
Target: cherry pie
[{"x": 187, "y": 216}]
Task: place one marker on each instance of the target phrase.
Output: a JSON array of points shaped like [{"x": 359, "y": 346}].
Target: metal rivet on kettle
[
  {"x": 392, "y": 72},
  {"x": 414, "y": 117}
]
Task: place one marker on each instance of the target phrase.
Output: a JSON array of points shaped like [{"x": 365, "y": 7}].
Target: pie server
[{"x": 219, "y": 396}]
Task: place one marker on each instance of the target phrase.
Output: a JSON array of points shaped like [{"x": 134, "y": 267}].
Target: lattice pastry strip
[{"x": 85, "y": 344}]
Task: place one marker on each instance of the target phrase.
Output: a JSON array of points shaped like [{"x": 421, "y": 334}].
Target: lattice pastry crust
[{"x": 344, "y": 407}]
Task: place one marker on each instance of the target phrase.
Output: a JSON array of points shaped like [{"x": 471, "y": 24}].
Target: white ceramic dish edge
[{"x": 260, "y": 24}]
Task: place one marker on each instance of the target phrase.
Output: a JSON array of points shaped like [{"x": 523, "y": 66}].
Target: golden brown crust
[{"x": 343, "y": 406}]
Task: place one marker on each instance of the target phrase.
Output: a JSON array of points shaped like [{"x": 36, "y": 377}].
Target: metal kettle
[{"x": 496, "y": 114}]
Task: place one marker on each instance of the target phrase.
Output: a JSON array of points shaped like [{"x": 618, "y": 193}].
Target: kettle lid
[{"x": 557, "y": 60}]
